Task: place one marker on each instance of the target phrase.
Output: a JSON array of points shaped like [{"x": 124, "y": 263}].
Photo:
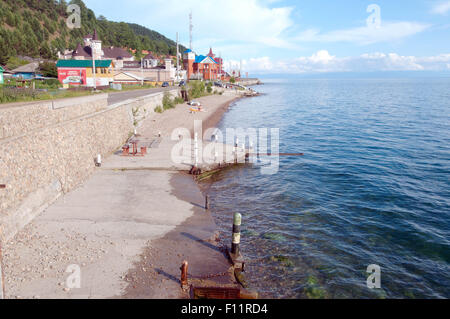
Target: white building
[{"x": 93, "y": 48}]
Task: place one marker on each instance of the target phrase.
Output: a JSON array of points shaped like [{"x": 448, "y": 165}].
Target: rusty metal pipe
[{"x": 184, "y": 274}]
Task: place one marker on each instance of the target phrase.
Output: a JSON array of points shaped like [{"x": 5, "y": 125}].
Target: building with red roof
[{"x": 202, "y": 67}]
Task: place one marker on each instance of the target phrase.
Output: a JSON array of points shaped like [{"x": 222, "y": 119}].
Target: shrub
[
  {"x": 209, "y": 87},
  {"x": 48, "y": 69},
  {"x": 178, "y": 100},
  {"x": 158, "y": 109},
  {"x": 8, "y": 95},
  {"x": 196, "y": 89},
  {"x": 48, "y": 84},
  {"x": 167, "y": 102}
]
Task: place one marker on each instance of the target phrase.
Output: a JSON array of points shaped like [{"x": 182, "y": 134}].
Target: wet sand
[{"x": 157, "y": 273}]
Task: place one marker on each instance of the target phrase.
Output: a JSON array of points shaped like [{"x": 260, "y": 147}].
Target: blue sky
[{"x": 272, "y": 36}]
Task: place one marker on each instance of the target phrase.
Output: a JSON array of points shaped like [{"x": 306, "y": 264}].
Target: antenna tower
[{"x": 191, "y": 28}]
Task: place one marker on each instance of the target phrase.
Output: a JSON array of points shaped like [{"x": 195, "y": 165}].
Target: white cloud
[
  {"x": 245, "y": 27},
  {"x": 322, "y": 61},
  {"x": 322, "y": 56},
  {"x": 441, "y": 8},
  {"x": 231, "y": 21},
  {"x": 388, "y": 31}
]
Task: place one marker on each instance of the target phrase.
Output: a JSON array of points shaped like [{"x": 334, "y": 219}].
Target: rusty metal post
[
  {"x": 236, "y": 234},
  {"x": 184, "y": 274}
]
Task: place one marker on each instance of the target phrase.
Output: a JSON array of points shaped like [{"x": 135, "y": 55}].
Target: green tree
[
  {"x": 32, "y": 25},
  {"x": 10, "y": 19},
  {"x": 48, "y": 69},
  {"x": 46, "y": 52}
]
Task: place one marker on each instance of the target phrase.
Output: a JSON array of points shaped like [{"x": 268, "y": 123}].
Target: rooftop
[
  {"x": 80, "y": 51},
  {"x": 201, "y": 58},
  {"x": 27, "y": 68},
  {"x": 83, "y": 63},
  {"x": 115, "y": 53},
  {"x": 149, "y": 57}
]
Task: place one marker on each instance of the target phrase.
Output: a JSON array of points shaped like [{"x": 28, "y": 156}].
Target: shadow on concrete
[
  {"x": 169, "y": 276},
  {"x": 197, "y": 205},
  {"x": 205, "y": 243}
]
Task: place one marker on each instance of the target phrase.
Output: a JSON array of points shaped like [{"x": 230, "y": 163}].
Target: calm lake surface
[{"x": 372, "y": 188}]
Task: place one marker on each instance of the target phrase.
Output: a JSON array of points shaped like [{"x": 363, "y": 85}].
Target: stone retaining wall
[
  {"x": 19, "y": 118},
  {"x": 50, "y": 150}
]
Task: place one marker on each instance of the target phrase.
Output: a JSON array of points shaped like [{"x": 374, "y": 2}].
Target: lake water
[{"x": 372, "y": 188}]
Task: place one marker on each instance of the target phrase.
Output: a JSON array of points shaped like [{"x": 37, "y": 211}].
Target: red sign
[{"x": 72, "y": 76}]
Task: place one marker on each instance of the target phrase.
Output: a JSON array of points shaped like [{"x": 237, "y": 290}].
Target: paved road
[{"x": 117, "y": 97}]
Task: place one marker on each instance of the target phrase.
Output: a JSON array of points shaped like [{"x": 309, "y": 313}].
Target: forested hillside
[{"x": 37, "y": 28}]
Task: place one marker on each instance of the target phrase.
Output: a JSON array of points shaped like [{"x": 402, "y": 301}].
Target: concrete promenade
[
  {"x": 117, "y": 97},
  {"x": 126, "y": 230}
]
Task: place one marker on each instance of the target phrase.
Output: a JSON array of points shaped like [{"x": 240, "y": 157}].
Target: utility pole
[
  {"x": 93, "y": 71},
  {"x": 142, "y": 71},
  {"x": 221, "y": 65},
  {"x": 93, "y": 51}
]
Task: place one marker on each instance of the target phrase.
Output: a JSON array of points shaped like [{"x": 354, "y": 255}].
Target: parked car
[
  {"x": 165, "y": 84},
  {"x": 219, "y": 84},
  {"x": 194, "y": 103}
]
